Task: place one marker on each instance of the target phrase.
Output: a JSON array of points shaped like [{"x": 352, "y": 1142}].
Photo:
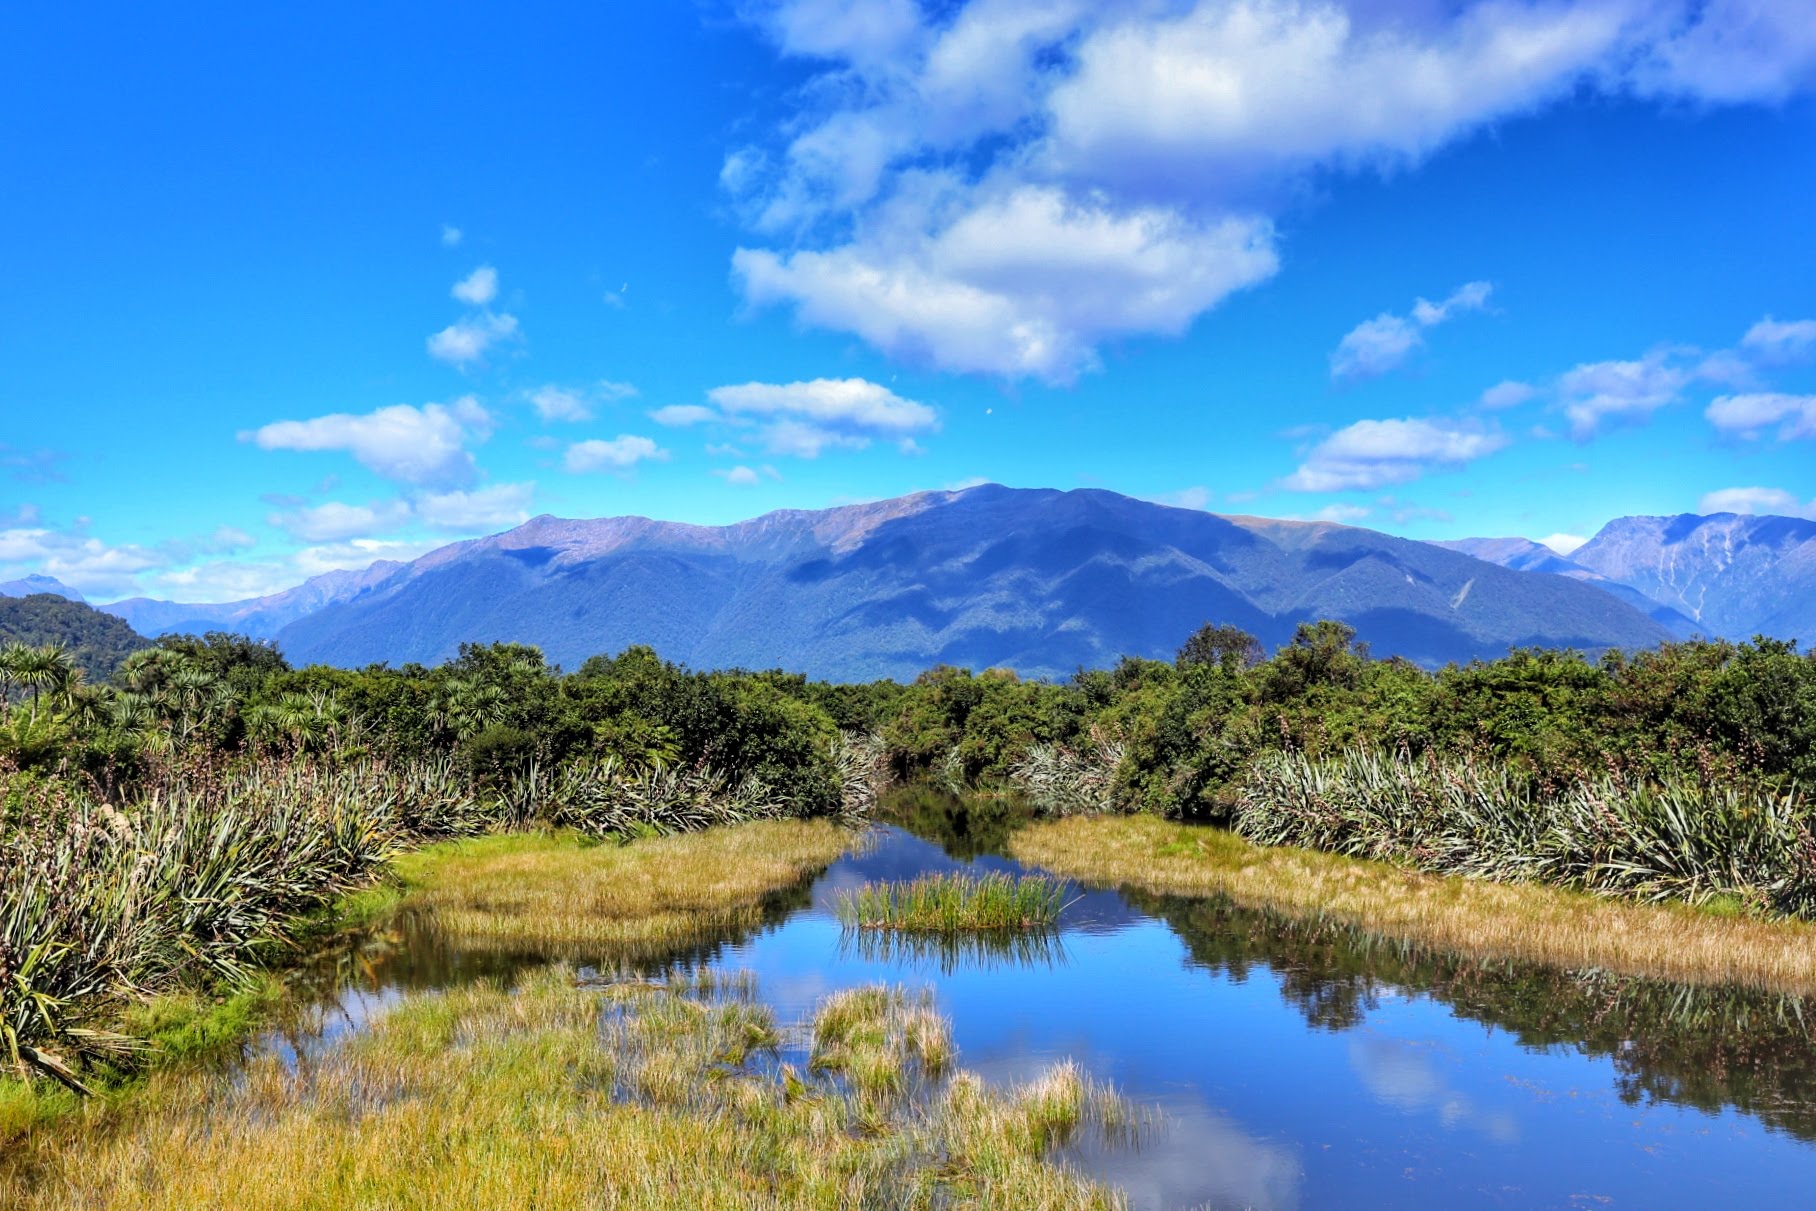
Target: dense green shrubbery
[{"x": 1179, "y": 738}]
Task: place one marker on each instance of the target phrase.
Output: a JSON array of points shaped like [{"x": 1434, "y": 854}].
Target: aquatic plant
[{"x": 955, "y": 902}]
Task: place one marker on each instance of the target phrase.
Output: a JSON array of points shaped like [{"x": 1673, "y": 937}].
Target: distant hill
[
  {"x": 1038, "y": 580},
  {"x": 25, "y": 586},
  {"x": 99, "y": 642},
  {"x": 1735, "y": 575},
  {"x": 1524, "y": 555},
  {"x": 259, "y": 617}
]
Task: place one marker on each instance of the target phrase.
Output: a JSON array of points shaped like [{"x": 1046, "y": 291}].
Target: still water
[{"x": 1292, "y": 1065}]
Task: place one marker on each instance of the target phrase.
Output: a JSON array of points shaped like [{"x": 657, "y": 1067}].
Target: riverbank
[
  {"x": 1482, "y": 919},
  {"x": 504, "y": 889},
  {"x": 567, "y": 1088}
]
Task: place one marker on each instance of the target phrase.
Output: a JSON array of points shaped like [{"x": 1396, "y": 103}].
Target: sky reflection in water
[{"x": 1301, "y": 1065}]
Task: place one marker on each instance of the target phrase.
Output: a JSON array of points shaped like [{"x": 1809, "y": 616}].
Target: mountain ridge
[{"x": 1036, "y": 579}]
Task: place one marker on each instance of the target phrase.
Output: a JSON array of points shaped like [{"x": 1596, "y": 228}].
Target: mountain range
[
  {"x": 1726, "y": 575},
  {"x": 1039, "y": 580}
]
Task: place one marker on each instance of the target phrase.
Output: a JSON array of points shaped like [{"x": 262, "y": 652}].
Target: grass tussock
[
  {"x": 1527, "y": 922},
  {"x": 956, "y": 902},
  {"x": 553, "y": 892},
  {"x": 642, "y": 1095}
]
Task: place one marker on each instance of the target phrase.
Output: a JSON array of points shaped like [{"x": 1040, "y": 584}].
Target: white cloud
[
  {"x": 1770, "y": 501},
  {"x": 483, "y": 510},
  {"x": 1373, "y": 453},
  {"x": 334, "y": 521},
  {"x": 1179, "y": 129},
  {"x": 1376, "y": 346},
  {"x": 1731, "y": 50},
  {"x": 1748, "y": 415},
  {"x": 468, "y": 340},
  {"x": 423, "y": 446},
  {"x": 804, "y": 419},
  {"x": 1563, "y": 543},
  {"x": 450, "y": 235},
  {"x": 799, "y": 439},
  {"x": 1776, "y": 342},
  {"x": 478, "y": 288},
  {"x": 1341, "y": 513},
  {"x": 1508, "y": 394},
  {"x": 99, "y": 569},
  {"x": 854, "y": 402},
  {"x": 560, "y": 403},
  {"x": 621, "y": 452},
  {"x": 557, "y": 403},
  {"x": 682, "y": 415},
  {"x": 740, "y": 476},
  {"x": 1596, "y": 394},
  {"x": 1027, "y": 282}
]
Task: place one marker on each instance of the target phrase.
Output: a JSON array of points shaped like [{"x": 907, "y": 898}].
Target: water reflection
[
  {"x": 947, "y": 953},
  {"x": 1294, "y": 1064}
]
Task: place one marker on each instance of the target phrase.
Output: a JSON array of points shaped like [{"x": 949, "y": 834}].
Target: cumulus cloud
[
  {"x": 557, "y": 403},
  {"x": 1508, "y": 394},
  {"x": 1748, "y": 415},
  {"x": 100, "y": 569},
  {"x": 682, "y": 415},
  {"x": 450, "y": 235},
  {"x": 478, "y": 288},
  {"x": 422, "y": 446},
  {"x": 1597, "y": 394},
  {"x": 1376, "y": 346},
  {"x": 1777, "y": 342},
  {"x": 335, "y": 521},
  {"x": 803, "y": 419},
  {"x": 1146, "y": 147},
  {"x": 618, "y": 454},
  {"x": 1769, "y": 501},
  {"x": 855, "y": 402},
  {"x": 1025, "y": 283},
  {"x": 1563, "y": 543},
  {"x": 1374, "y": 453},
  {"x": 467, "y": 341},
  {"x": 482, "y": 510}
]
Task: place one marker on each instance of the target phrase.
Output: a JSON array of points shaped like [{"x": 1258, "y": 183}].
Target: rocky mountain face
[
  {"x": 1524, "y": 555},
  {"x": 1735, "y": 575},
  {"x": 1038, "y": 580},
  {"x": 259, "y": 617}
]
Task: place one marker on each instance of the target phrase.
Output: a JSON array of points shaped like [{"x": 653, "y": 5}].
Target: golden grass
[
  {"x": 485, "y": 1096},
  {"x": 553, "y": 893},
  {"x": 1488, "y": 920}
]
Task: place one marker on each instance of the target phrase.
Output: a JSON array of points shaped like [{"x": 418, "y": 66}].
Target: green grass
[
  {"x": 634, "y": 1095},
  {"x": 955, "y": 903}
]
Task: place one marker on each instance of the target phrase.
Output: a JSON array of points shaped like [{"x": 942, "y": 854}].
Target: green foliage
[{"x": 96, "y": 642}]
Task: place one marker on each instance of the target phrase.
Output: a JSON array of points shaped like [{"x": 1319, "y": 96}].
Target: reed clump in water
[
  {"x": 955, "y": 903},
  {"x": 641, "y": 1095}
]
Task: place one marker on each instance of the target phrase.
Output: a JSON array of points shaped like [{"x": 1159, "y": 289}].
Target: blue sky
[{"x": 287, "y": 291}]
